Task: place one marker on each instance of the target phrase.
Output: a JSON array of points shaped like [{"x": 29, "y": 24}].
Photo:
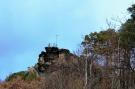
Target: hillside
[
  {"x": 49, "y": 61},
  {"x": 54, "y": 67},
  {"x": 106, "y": 61}
]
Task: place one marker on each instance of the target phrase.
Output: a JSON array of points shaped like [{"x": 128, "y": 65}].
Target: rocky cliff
[{"x": 52, "y": 59}]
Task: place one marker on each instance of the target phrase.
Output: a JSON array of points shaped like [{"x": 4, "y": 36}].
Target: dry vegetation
[
  {"x": 66, "y": 78},
  {"x": 20, "y": 84}
]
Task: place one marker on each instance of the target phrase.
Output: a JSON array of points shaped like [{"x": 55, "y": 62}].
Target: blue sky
[{"x": 27, "y": 26}]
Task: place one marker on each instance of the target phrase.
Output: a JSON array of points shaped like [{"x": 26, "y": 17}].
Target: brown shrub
[{"x": 20, "y": 84}]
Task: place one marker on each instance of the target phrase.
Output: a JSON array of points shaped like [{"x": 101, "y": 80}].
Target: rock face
[
  {"x": 51, "y": 61},
  {"x": 52, "y": 58}
]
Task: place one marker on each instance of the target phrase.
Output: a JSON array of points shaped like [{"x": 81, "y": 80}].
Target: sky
[{"x": 27, "y": 26}]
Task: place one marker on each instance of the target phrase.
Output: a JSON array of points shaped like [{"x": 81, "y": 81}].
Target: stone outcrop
[{"x": 52, "y": 59}]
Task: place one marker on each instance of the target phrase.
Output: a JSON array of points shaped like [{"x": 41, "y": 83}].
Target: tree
[
  {"x": 103, "y": 45},
  {"x": 127, "y": 43}
]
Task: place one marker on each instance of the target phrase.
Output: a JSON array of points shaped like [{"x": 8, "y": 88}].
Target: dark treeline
[{"x": 116, "y": 50}]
